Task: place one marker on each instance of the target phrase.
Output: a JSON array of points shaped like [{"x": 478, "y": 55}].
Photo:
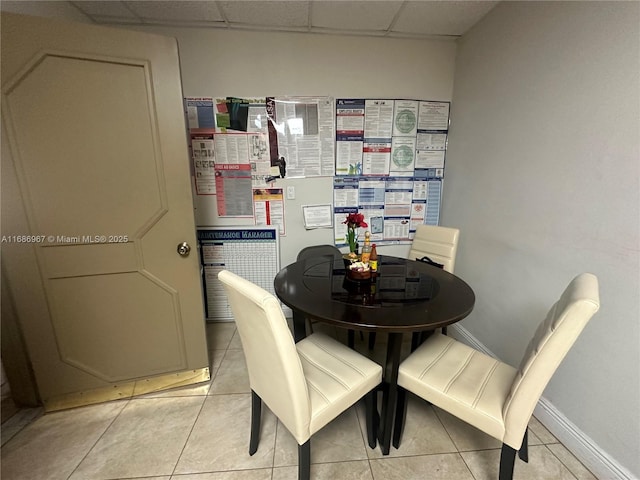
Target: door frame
[{"x": 15, "y": 358}]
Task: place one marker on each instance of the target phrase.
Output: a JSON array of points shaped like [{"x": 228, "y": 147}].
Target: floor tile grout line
[
  {"x": 19, "y": 424},
  {"x": 575, "y": 475},
  {"x": 173, "y": 471},
  {"x": 453, "y": 442},
  {"x": 419, "y": 455},
  {"x": 364, "y": 434},
  {"x": 441, "y": 423},
  {"x": 275, "y": 436},
  {"x": 209, "y": 392},
  {"x": 113, "y": 420},
  {"x": 212, "y": 374}
]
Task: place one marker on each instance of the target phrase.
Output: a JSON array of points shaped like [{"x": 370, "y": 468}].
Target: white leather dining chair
[
  {"x": 487, "y": 393},
  {"x": 314, "y": 251},
  {"x": 321, "y": 253},
  {"x": 440, "y": 244},
  {"x": 318, "y": 253},
  {"x": 305, "y": 384}
]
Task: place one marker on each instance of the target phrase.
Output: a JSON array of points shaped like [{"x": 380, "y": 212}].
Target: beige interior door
[{"x": 96, "y": 197}]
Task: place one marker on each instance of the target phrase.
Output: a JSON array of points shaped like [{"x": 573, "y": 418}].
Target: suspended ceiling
[{"x": 396, "y": 18}]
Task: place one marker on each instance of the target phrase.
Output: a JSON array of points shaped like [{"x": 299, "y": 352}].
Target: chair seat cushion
[
  {"x": 460, "y": 380},
  {"x": 337, "y": 377}
]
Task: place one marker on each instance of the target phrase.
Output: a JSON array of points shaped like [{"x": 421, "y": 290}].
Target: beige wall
[
  {"x": 244, "y": 63},
  {"x": 543, "y": 179}
]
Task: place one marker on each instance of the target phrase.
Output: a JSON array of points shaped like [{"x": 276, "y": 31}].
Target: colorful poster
[
  {"x": 349, "y": 136},
  {"x": 268, "y": 207},
  {"x": 199, "y": 112},
  {"x": 398, "y": 184},
  {"x": 233, "y": 186},
  {"x": 202, "y": 154}
]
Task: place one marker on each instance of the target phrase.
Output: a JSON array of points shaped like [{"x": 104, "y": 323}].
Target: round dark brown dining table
[{"x": 404, "y": 296}]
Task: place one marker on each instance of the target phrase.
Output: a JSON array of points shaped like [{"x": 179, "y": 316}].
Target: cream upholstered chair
[
  {"x": 305, "y": 384},
  {"x": 321, "y": 252},
  {"x": 488, "y": 394},
  {"x": 440, "y": 244}
]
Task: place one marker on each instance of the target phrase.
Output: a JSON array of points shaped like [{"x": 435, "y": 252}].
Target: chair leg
[
  {"x": 304, "y": 461},
  {"x": 370, "y": 408},
  {"x": 256, "y": 410},
  {"x": 401, "y": 416},
  {"x": 507, "y": 462},
  {"x": 444, "y": 330},
  {"x": 299, "y": 326},
  {"x": 351, "y": 341},
  {"x": 415, "y": 341},
  {"x": 523, "y": 453},
  {"x": 372, "y": 340}
]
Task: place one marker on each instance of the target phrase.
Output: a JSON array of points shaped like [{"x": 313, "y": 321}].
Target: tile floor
[{"x": 202, "y": 433}]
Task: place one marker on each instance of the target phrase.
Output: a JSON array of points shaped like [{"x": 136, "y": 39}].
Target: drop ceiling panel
[
  {"x": 184, "y": 11},
  {"x": 105, "y": 9},
  {"x": 266, "y": 13},
  {"x": 358, "y": 15},
  {"x": 440, "y": 18},
  {"x": 415, "y": 18}
]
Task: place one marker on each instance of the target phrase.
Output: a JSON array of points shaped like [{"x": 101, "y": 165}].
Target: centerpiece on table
[
  {"x": 354, "y": 221},
  {"x": 358, "y": 271}
]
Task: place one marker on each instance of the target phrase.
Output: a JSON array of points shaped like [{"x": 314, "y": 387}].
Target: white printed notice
[
  {"x": 306, "y": 135},
  {"x": 430, "y": 159},
  {"x": 378, "y": 119},
  {"x": 231, "y": 148},
  {"x": 433, "y": 116}
]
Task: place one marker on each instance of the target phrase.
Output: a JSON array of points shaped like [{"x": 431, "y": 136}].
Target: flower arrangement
[{"x": 353, "y": 222}]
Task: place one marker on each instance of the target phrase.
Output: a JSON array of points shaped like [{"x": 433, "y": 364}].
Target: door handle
[{"x": 183, "y": 249}]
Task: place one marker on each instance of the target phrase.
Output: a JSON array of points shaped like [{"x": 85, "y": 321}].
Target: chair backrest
[
  {"x": 551, "y": 342},
  {"x": 275, "y": 370},
  {"x": 440, "y": 244},
  {"x": 318, "y": 251}
]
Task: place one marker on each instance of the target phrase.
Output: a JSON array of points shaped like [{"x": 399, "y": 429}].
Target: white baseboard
[
  {"x": 583, "y": 448},
  {"x": 599, "y": 462}
]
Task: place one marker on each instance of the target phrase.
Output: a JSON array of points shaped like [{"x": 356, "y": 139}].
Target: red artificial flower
[{"x": 355, "y": 220}]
